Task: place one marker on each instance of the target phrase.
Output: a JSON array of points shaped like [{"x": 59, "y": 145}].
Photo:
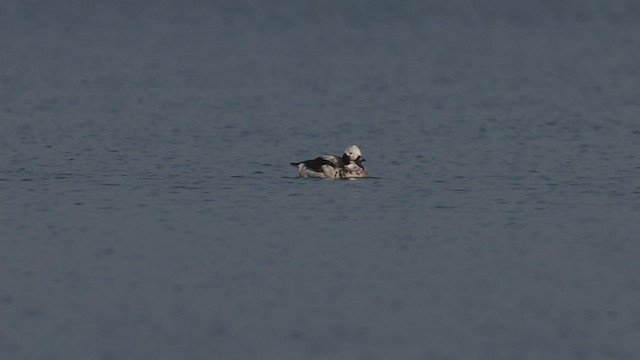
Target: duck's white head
[{"x": 354, "y": 154}]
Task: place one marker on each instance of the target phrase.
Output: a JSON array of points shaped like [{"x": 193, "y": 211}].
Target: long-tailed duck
[{"x": 349, "y": 165}]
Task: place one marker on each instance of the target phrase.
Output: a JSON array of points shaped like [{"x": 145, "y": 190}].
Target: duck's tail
[{"x": 295, "y": 164}]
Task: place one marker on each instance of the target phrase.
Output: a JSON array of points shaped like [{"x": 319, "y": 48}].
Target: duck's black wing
[{"x": 317, "y": 163}]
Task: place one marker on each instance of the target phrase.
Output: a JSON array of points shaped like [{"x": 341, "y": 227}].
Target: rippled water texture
[{"x": 148, "y": 209}]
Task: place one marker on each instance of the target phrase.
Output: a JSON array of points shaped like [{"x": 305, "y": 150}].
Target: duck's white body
[{"x": 334, "y": 167}]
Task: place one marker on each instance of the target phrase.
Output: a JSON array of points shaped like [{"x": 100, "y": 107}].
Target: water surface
[{"x": 149, "y": 211}]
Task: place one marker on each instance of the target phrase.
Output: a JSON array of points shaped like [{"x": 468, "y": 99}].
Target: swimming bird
[{"x": 347, "y": 166}]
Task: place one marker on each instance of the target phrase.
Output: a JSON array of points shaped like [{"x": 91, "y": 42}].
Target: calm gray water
[{"x": 148, "y": 211}]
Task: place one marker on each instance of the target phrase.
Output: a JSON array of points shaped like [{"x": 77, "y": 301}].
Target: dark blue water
[{"x": 148, "y": 211}]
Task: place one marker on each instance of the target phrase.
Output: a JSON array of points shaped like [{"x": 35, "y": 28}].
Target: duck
[{"x": 347, "y": 166}]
